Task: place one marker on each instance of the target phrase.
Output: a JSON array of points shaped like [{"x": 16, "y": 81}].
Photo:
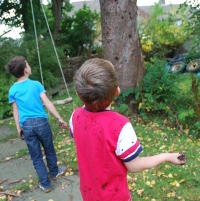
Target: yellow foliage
[
  {"x": 140, "y": 105},
  {"x": 147, "y": 46},
  {"x": 167, "y": 108}
]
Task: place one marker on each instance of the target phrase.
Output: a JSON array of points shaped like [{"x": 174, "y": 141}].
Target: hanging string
[
  {"x": 37, "y": 42},
  {"x": 55, "y": 51}
]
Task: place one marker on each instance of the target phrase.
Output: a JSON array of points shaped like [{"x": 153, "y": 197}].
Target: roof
[
  {"x": 143, "y": 11},
  {"x": 94, "y": 5}
]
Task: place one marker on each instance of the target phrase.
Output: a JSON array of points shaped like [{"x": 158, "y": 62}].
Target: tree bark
[
  {"x": 121, "y": 43},
  {"x": 57, "y": 12}
]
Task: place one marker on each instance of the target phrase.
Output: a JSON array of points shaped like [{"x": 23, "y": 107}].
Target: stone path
[{"x": 16, "y": 169}]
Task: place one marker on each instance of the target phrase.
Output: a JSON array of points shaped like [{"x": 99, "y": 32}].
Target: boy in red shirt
[{"x": 106, "y": 143}]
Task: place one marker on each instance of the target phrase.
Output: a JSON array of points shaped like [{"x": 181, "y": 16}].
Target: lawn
[{"x": 164, "y": 182}]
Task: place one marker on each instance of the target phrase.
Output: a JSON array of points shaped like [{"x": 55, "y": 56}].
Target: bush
[
  {"x": 8, "y": 49},
  {"x": 5, "y": 107},
  {"x": 80, "y": 31},
  {"x": 158, "y": 89},
  {"x": 156, "y": 92},
  {"x": 164, "y": 32}
]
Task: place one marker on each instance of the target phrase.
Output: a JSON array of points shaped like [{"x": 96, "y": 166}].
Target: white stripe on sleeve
[
  {"x": 71, "y": 126},
  {"x": 127, "y": 138}
]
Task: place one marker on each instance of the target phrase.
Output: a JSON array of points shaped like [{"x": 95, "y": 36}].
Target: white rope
[
  {"x": 53, "y": 47},
  {"x": 37, "y": 42},
  {"x": 56, "y": 51}
]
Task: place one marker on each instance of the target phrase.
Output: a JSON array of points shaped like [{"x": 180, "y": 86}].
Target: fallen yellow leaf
[
  {"x": 171, "y": 194},
  {"x": 167, "y": 166},
  {"x": 133, "y": 184},
  {"x": 175, "y": 183},
  {"x": 181, "y": 181},
  {"x": 160, "y": 173},
  {"x": 19, "y": 192},
  {"x": 139, "y": 192},
  {"x": 130, "y": 187},
  {"x": 129, "y": 178}
]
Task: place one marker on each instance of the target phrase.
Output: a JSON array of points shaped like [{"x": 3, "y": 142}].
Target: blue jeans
[{"x": 38, "y": 131}]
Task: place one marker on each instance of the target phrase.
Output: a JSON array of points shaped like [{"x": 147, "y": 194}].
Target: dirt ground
[{"x": 22, "y": 169}]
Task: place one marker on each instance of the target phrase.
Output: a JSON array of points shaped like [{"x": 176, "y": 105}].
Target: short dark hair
[
  {"x": 16, "y": 66},
  {"x": 96, "y": 83}
]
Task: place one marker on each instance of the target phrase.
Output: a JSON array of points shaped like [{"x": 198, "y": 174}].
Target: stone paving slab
[
  {"x": 6, "y": 131},
  {"x": 55, "y": 194},
  {"x": 11, "y": 147},
  {"x": 16, "y": 169}
]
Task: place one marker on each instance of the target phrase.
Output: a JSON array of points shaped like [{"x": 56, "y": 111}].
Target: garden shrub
[
  {"x": 158, "y": 89},
  {"x": 190, "y": 113},
  {"x": 157, "y": 93},
  {"x": 5, "y": 107},
  {"x": 164, "y": 32},
  {"x": 124, "y": 109},
  {"x": 79, "y": 31},
  {"x": 8, "y": 49}
]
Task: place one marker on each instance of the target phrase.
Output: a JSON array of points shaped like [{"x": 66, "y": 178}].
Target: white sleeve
[
  {"x": 128, "y": 147},
  {"x": 71, "y": 126}
]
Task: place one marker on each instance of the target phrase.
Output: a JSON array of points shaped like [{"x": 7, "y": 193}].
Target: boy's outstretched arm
[
  {"x": 16, "y": 117},
  {"x": 52, "y": 109},
  {"x": 139, "y": 164}
]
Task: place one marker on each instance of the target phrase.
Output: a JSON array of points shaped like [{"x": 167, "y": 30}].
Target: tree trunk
[
  {"x": 121, "y": 43},
  {"x": 57, "y": 12}
]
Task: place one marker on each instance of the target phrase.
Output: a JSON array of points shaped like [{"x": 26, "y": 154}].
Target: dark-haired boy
[
  {"x": 28, "y": 111},
  {"x": 106, "y": 143}
]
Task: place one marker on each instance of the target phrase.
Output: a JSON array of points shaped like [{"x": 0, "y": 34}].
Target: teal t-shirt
[{"x": 27, "y": 96}]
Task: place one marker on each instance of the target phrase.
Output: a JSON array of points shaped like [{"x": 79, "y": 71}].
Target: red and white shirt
[{"x": 104, "y": 141}]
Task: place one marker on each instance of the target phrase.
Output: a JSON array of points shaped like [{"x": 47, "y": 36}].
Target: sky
[{"x": 15, "y": 31}]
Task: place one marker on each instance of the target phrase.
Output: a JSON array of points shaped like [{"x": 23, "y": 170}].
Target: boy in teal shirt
[{"x": 28, "y": 111}]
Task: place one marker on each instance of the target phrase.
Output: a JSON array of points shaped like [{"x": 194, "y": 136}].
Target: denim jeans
[{"x": 38, "y": 131}]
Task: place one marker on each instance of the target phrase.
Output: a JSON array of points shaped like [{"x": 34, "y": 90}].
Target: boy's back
[
  {"x": 27, "y": 96},
  {"x": 102, "y": 172}
]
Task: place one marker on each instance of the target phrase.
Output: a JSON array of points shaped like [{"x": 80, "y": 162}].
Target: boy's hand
[
  {"x": 177, "y": 158},
  {"x": 21, "y": 135},
  {"x": 62, "y": 123}
]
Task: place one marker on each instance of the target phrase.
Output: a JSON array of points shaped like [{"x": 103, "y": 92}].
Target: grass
[
  {"x": 26, "y": 185},
  {"x": 184, "y": 82},
  {"x": 21, "y": 153},
  {"x": 164, "y": 182},
  {"x": 171, "y": 182},
  {"x": 7, "y": 138}
]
